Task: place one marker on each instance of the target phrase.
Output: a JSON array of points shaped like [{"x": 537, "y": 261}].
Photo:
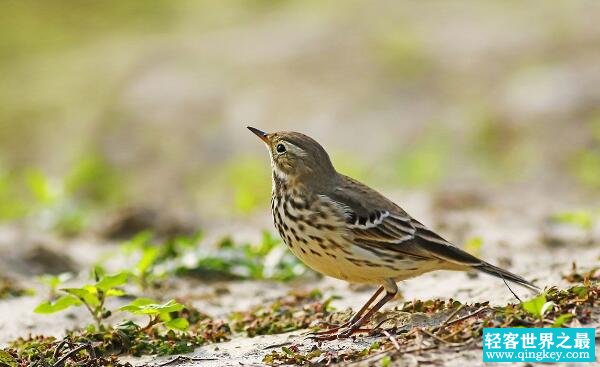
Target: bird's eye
[{"x": 280, "y": 148}]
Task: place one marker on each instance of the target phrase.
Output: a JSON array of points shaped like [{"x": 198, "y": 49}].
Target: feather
[{"x": 385, "y": 228}]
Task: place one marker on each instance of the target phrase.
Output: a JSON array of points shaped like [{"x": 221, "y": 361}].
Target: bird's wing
[{"x": 377, "y": 224}]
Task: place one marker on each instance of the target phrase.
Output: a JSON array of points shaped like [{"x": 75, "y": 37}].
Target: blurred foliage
[
  {"x": 250, "y": 182},
  {"x": 426, "y": 163},
  {"x": 178, "y": 74},
  {"x": 585, "y": 165},
  {"x": 580, "y": 218},
  {"x": 36, "y": 26},
  {"x": 94, "y": 180},
  {"x": 60, "y": 204},
  {"x": 496, "y": 146},
  {"x": 9, "y": 288},
  {"x": 350, "y": 165},
  {"x": 54, "y": 281},
  {"x": 268, "y": 259},
  {"x": 154, "y": 259},
  {"x": 400, "y": 52}
]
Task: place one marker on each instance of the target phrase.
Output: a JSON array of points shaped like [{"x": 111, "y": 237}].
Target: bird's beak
[{"x": 261, "y": 134}]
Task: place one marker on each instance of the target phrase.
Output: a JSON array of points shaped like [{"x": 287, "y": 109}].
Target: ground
[{"x": 515, "y": 232}]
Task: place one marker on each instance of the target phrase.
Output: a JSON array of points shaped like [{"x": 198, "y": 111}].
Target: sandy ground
[{"x": 515, "y": 234}]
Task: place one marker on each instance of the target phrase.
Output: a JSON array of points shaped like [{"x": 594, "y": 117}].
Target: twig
[
  {"x": 59, "y": 347},
  {"x": 72, "y": 353},
  {"x": 392, "y": 339},
  {"x": 449, "y": 318},
  {"x": 277, "y": 345},
  {"x": 463, "y": 318},
  {"x": 181, "y": 359},
  {"x": 453, "y": 333},
  {"x": 442, "y": 340}
]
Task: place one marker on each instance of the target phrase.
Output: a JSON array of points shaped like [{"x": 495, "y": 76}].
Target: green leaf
[
  {"x": 145, "y": 308},
  {"x": 143, "y": 301},
  {"x": 562, "y": 319},
  {"x": 179, "y": 323},
  {"x": 580, "y": 290},
  {"x": 6, "y": 359},
  {"x": 534, "y": 306},
  {"x": 112, "y": 281},
  {"x": 53, "y": 281},
  {"x": 115, "y": 293},
  {"x": 60, "y": 304},
  {"x": 139, "y": 242},
  {"x": 135, "y": 305},
  {"x": 386, "y": 361},
  {"x": 149, "y": 256},
  {"x": 41, "y": 188},
  {"x": 86, "y": 294}
]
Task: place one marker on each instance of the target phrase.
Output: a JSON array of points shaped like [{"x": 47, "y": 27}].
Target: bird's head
[{"x": 295, "y": 156}]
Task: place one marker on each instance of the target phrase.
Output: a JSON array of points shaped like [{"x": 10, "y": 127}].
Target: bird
[{"x": 344, "y": 229}]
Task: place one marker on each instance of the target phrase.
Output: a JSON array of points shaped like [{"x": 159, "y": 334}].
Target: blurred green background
[{"x": 109, "y": 104}]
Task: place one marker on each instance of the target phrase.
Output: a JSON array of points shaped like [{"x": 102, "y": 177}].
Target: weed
[
  {"x": 297, "y": 310},
  {"x": 54, "y": 281},
  {"x": 538, "y": 306},
  {"x": 267, "y": 259},
  {"x": 92, "y": 297},
  {"x": 153, "y": 258},
  {"x": 292, "y": 356},
  {"x": 575, "y": 276},
  {"x": 158, "y": 313}
]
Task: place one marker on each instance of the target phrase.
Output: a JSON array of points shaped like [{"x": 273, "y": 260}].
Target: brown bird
[{"x": 344, "y": 229}]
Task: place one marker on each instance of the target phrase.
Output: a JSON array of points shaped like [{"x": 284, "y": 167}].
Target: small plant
[
  {"x": 292, "y": 356},
  {"x": 267, "y": 259},
  {"x": 93, "y": 297},
  {"x": 576, "y": 276},
  {"x": 153, "y": 258},
  {"x": 159, "y": 314},
  {"x": 7, "y": 359},
  {"x": 538, "y": 306},
  {"x": 295, "y": 311},
  {"x": 54, "y": 281}
]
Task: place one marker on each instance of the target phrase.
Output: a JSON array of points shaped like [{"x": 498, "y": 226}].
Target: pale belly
[
  {"x": 354, "y": 265},
  {"x": 318, "y": 239}
]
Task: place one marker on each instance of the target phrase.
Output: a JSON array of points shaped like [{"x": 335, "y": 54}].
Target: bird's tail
[
  {"x": 505, "y": 275},
  {"x": 442, "y": 249}
]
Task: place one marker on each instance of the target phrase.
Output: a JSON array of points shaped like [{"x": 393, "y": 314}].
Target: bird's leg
[
  {"x": 391, "y": 289},
  {"x": 355, "y": 317},
  {"x": 354, "y": 327}
]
